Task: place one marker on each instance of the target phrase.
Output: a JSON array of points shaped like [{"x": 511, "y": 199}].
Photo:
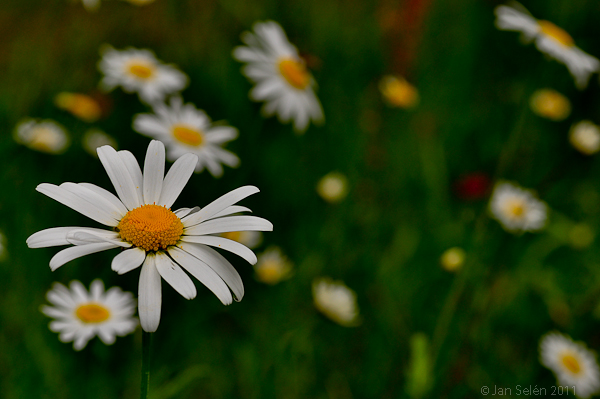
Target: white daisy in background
[
  {"x": 550, "y": 104},
  {"x": 251, "y": 239},
  {"x": 585, "y": 137},
  {"x": 44, "y": 136},
  {"x": 82, "y": 106},
  {"x": 452, "y": 259},
  {"x": 272, "y": 266},
  {"x": 336, "y": 301},
  {"x": 95, "y": 138},
  {"x": 549, "y": 39},
  {"x": 91, "y": 5},
  {"x": 397, "y": 92},
  {"x": 138, "y": 71},
  {"x": 148, "y": 233},
  {"x": 80, "y": 316},
  {"x": 516, "y": 209},
  {"x": 184, "y": 129},
  {"x": 280, "y": 75},
  {"x": 333, "y": 187},
  {"x": 572, "y": 363}
]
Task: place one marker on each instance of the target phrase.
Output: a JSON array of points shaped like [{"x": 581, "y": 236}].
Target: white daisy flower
[
  {"x": 138, "y": 71},
  {"x": 336, "y": 301},
  {"x": 184, "y": 129},
  {"x": 44, "y": 136},
  {"x": 272, "y": 266},
  {"x": 585, "y": 137},
  {"x": 80, "y": 315},
  {"x": 280, "y": 75},
  {"x": 251, "y": 239},
  {"x": 516, "y": 209},
  {"x": 549, "y": 39},
  {"x": 573, "y": 363},
  {"x": 95, "y": 138},
  {"x": 148, "y": 233}
]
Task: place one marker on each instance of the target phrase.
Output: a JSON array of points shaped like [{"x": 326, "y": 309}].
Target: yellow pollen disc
[
  {"x": 187, "y": 135},
  {"x": 515, "y": 209},
  {"x": 571, "y": 363},
  {"x": 398, "y": 92},
  {"x": 151, "y": 227},
  {"x": 556, "y": 33},
  {"x": 294, "y": 72},
  {"x": 92, "y": 313},
  {"x": 141, "y": 69}
]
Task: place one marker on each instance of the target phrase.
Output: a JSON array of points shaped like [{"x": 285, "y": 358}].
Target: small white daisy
[
  {"x": 280, "y": 75},
  {"x": 138, "y": 71},
  {"x": 251, "y": 239},
  {"x": 272, "y": 266},
  {"x": 148, "y": 233},
  {"x": 95, "y": 138},
  {"x": 549, "y": 39},
  {"x": 80, "y": 315},
  {"x": 585, "y": 137},
  {"x": 516, "y": 209},
  {"x": 572, "y": 363},
  {"x": 44, "y": 136},
  {"x": 185, "y": 129},
  {"x": 336, "y": 301},
  {"x": 333, "y": 187}
]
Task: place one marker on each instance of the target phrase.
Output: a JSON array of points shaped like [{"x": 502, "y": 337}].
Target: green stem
[{"x": 146, "y": 354}]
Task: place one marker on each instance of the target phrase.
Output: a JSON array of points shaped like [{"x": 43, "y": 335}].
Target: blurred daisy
[
  {"x": 550, "y": 104},
  {"x": 82, "y": 106},
  {"x": 397, "y": 92},
  {"x": 333, "y": 187},
  {"x": 272, "y": 266},
  {"x": 251, "y": 239},
  {"x": 517, "y": 209},
  {"x": 95, "y": 138},
  {"x": 452, "y": 259},
  {"x": 80, "y": 316},
  {"x": 572, "y": 363},
  {"x": 141, "y": 222},
  {"x": 184, "y": 129},
  {"x": 280, "y": 75},
  {"x": 140, "y": 2},
  {"x": 138, "y": 71},
  {"x": 336, "y": 301},
  {"x": 45, "y": 136},
  {"x": 549, "y": 39},
  {"x": 91, "y": 5},
  {"x": 585, "y": 137}
]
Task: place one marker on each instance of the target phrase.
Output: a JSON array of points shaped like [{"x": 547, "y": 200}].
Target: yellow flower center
[
  {"x": 44, "y": 139},
  {"x": 571, "y": 363},
  {"x": 271, "y": 272},
  {"x": 550, "y": 104},
  {"x": 141, "y": 69},
  {"x": 151, "y": 227},
  {"x": 556, "y": 33},
  {"x": 515, "y": 208},
  {"x": 92, "y": 313},
  {"x": 80, "y": 105},
  {"x": 294, "y": 72},
  {"x": 187, "y": 135},
  {"x": 398, "y": 92}
]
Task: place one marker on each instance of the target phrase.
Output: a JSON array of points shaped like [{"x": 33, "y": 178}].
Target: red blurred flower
[{"x": 472, "y": 186}]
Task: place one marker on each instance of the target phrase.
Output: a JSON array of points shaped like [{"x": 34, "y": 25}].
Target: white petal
[
  {"x": 67, "y": 255},
  {"x": 116, "y": 202},
  {"x": 84, "y": 236},
  {"x": 177, "y": 178},
  {"x": 186, "y": 211},
  {"x": 150, "y": 295},
  {"x": 119, "y": 176},
  {"x": 176, "y": 277},
  {"x": 230, "y": 211},
  {"x": 55, "y": 313},
  {"x": 154, "y": 170},
  {"x": 49, "y": 237},
  {"x": 205, "y": 274},
  {"x": 219, "y": 264},
  {"x": 133, "y": 167},
  {"x": 96, "y": 290},
  {"x": 229, "y": 223},
  {"x": 220, "y": 204},
  {"x": 128, "y": 260},
  {"x": 224, "y": 243},
  {"x": 97, "y": 200}
]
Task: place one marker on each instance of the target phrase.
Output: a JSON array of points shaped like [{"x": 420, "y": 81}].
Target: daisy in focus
[
  {"x": 585, "y": 137},
  {"x": 280, "y": 75},
  {"x": 251, "y": 239},
  {"x": 272, "y": 266},
  {"x": 185, "y": 129},
  {"x": 550, "y": 40},
  {"x": 397, "y": 92},
  {"x": 81, "y": 315},
  {"x": 550, "y": 104},
  {"x": 44, "y": 136},
  {"x": 333, "y": 187},
  {"x": 138, "y": 71},
  {"x": 82, "y": 106},
  {"x": 516, "y": 209},
  {"x": 572, "y": 363},
  {"x": 336, "y": 301},
  {"x": 95, "y": 138},
  {"x": 163, "y": 242}
]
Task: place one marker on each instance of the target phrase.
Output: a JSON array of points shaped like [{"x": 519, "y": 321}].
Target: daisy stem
[{"x": 146, "y": 354}]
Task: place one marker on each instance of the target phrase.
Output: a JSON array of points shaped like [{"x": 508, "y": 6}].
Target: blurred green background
[{"x": 480, "y": 326}]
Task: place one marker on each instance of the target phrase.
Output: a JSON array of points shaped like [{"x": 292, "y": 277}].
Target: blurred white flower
[
  {"x": 138, "y": 71},
  {"x": 397, "y": 92},
  {"x": 585, "y": 137},
  {"x": 82, "y": 106},
  {"x": 336, "y": 301},
  {"x": 148, "y": 233},
  {"x": 183, "y": 128},
  {"x": 550, "y": 104},
  {"x": 572, "y": 363},
  {"x": 95, "y": 138},
  {"x": 91, "y": 5},
  {"x": 517, "y": 209},
  {"x": 280, "y": 75},
  {"x": 333, "y": 187},
  {"x": 549, "y": 39},
  {"x": 251, "y": 239},
  {"x": 272, "y": 266},
  {"x": 44, "y": 136},
  {"x": 80, "y": 316}
]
